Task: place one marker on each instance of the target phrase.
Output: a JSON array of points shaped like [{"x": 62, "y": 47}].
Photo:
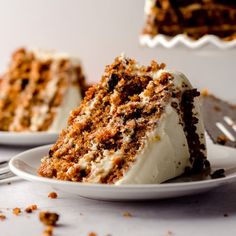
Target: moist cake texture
[
  {"x": 38, "y": 91},
  {"x": 140, "y": 124},
  {"x": 194, "y": 18}
]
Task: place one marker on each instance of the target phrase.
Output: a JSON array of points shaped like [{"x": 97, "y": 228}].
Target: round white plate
[
  {"x": 27, "y": 138},
  {"x": 26, "y": 164}
]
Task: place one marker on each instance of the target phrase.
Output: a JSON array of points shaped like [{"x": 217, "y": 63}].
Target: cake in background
[
  {"x": 38, "y": 90},
  {"x": 139, "y": 125},
  {"x": 194, "y": 18}
]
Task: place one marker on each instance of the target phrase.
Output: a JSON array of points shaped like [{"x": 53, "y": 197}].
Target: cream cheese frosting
[{"x": 166, "y": 153}]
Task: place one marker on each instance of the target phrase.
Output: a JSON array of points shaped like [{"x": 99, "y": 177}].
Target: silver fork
[
  {"x": 229, "y": 130},
  {"x": 220, "y": 120},
  {"x": 5, "y": 173}
]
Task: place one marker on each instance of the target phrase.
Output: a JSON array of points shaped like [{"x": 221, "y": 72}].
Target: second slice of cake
[
  {"x": 38, "y": 91},
  {"x": 139, "y": 125}
]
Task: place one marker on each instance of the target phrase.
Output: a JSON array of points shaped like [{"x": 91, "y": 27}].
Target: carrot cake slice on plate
[{"x": 139, "y": 125}]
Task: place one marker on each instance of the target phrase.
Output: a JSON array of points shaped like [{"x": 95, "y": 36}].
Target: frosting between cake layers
[{"x": 166, "y": 153}]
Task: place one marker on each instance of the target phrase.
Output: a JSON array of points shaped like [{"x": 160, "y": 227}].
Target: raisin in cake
[
  {"x": 139, "y": 125},
  {"x": 195, "y": 18},
  {"x": 38, "y": 91}
]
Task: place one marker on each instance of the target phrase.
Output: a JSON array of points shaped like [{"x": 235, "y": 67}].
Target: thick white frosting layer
[
  {"x": 45, "y": 55},
  {"x": 166, "y": 153},
  {"x": 148, "y": 6},
  {"x": 71, "y": 100}
]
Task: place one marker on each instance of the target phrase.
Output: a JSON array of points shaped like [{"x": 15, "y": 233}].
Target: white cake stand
[
  {"x": 208, "y": 62},
  {"x": 184, "y": 40}
]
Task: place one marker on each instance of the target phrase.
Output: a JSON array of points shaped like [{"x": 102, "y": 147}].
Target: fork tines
[{"x": 220, "y": 120}]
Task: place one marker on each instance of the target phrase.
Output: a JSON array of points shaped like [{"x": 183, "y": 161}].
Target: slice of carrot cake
[
  {"x": 38, "y": 91},
  {"x": 139, "y": 125}
]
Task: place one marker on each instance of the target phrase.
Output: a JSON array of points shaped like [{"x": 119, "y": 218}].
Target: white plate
[
  {"x": 27, "y": 138},
  {"x": 26, "y": 164},
  {"x": 184, "y": 40}
]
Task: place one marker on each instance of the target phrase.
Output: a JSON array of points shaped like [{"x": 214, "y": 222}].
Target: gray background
[{"x": 97, "y": 31}]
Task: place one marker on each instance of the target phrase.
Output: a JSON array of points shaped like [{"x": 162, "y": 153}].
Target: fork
[
  {"x": 5, "y": 173},
  {"x": 220, "y": 120}
]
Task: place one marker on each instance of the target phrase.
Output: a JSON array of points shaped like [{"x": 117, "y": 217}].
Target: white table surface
[{"x": 186, "y": 216}]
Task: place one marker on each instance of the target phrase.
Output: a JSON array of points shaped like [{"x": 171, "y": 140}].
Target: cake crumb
[
  {"x": 127, "y": 214},
  {"x": 16, "y": 211},
  {"x": 48, "y": 218},
  {"x": 222, "y": 139},
  {"x": 205, "y": 92},
  {"x": 2, "y": 217},
  {"x": 48, "y": 231},
  {"x": 226, "y": 215},
  {"x": 92, "y": 234},
  {"x": 52, "y": 195},
  {"x": 31, "y": 208},
  {"x": 220, "y": 173}
]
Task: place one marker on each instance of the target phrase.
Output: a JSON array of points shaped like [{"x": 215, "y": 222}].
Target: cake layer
[
  {"x": 35, "y": 94},
  {"x": 195, "y": 18},
  {"x": 138, "y": 125}
]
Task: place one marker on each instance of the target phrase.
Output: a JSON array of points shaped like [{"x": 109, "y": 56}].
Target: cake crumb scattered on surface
[
  {"x": 48, "y": 231},
  {"x": 222, "y": 139},
  {"x": 127, "y": 214},
  {"x": 2, "y": 217},
  {"x": 92, "y": 234},
  {"x": 52, "y": 195},
  {"x": 16, "y": 211},
  {"x": 48, "y": 218},
  {"x": 205, "y": 92},
  {"x": 31, "y": 208},
  {"x": 226, "y": 215}
]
